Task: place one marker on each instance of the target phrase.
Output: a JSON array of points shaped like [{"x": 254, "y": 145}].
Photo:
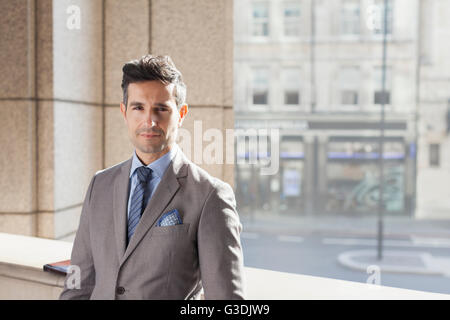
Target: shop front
[
  {"x": 353, "y": 176},
  {"x": 329, "y": 168}
]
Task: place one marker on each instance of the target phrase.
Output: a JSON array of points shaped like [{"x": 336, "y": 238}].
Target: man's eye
[
  {"x": 138, "y": 108},
  {"x": 161, "y": 109}
]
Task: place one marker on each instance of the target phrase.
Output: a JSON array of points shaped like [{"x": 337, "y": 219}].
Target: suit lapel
[
  {"x": 120, "y": 200},
  {"x": 162, "y": 196}
]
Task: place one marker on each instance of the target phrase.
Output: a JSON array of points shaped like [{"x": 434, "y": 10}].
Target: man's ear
[
  {"x": 123, "y": 110},
  {"x": 183, "y": 112}
]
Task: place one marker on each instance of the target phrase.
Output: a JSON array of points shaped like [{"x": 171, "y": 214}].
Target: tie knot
[{"x": 143, "y": 173}]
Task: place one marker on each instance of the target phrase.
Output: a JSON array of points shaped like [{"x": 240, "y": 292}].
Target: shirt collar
[{"x": 158, "y": 166}]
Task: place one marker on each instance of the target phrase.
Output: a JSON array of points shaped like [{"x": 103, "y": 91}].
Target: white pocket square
[{"x": 170, "y": 218}]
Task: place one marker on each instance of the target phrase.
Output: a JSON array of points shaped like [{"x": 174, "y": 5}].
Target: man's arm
[
  {"x": 219, "y": 246},
  {"x": 82, "y": 256}
]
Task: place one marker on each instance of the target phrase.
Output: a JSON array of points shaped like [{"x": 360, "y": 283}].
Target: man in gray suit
[{"x": 156, "y": 226}]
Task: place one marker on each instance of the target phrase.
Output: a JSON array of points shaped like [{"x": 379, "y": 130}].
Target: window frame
[
  {"x": 259, "y": 20},
  {"x": 284, "y": 88},
  {"x": 285, "y": 5},
  {"x": 377, "y": 86},
  {"x": 378, "y": 32},
  {"x": 434, "y": 155},
  {"x": 346, "y": 13},
  {"x": 349, "y": 86},
  {"x": 253, "y": 71}
]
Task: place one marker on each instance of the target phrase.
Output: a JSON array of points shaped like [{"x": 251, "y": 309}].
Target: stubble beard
[{"x": 154, "y": 147}]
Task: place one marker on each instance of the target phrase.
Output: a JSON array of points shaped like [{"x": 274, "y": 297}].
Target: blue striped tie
[{"x": 137, "y": 199}]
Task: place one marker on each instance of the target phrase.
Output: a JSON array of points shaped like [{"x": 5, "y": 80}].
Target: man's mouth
[{"x": 149, "y": 135}]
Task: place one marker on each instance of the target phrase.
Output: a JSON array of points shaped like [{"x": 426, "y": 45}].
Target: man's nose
[{"x": 151, "y": 118}]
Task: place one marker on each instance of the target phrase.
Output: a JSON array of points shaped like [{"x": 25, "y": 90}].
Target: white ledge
[
  {"x": 32, "y": 252},
  {"x": 22, "y": 277},
  {"x": 273, "y": 285}
]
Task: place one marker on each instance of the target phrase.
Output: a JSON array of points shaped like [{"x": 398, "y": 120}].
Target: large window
[
  {"x": 359, "y": 140},
  {"x": 434, "y": 155},
  {"x": 375, "y": 16},
  {"x": 290, "y": 79},
  {"x": 349, "y": 82},
  {"x": 353, "y": 175},
  {"x": 350, "y": 17},
  {"x": 380, "y": 97},
  {"x": 260, "y": 19},
  {"x": 291, "y": 19},
  {"x": 260, "y": 86}
]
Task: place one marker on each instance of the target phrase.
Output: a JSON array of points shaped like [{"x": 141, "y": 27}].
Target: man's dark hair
[{"x": 150, "y": 68}]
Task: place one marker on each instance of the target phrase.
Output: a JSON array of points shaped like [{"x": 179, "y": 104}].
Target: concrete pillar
[
  {"x": 410, "y": 175},
  {"x": 127, "y": 37},
  {"x": 18, "y": 117},
  {"x": 308, "y": 174},
  {"x": 77, "y": 114},
  {"x": 198, "y": 35},
  {"x": 322, "y": 184}
]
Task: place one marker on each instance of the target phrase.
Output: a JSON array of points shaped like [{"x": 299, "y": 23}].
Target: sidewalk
[
  {"x": 394, "y": 227},
  {"x": 397, "y": 231},
  {"x": 412, "y": 262}
]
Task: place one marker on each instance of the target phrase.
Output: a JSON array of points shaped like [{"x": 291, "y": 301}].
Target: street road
[{"x": 317, "y": 255}]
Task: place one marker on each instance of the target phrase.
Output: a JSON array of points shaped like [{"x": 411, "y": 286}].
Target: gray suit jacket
[{"x": 172, "y": 262}]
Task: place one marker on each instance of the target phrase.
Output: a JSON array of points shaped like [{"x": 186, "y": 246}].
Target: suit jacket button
[{"x": 120, "y": 290}]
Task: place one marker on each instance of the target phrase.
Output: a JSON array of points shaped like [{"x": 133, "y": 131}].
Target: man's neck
[{"x": 147, "y": 158}]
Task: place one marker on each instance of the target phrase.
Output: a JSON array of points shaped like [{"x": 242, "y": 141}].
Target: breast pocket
[{"x": 175, "y": 231}]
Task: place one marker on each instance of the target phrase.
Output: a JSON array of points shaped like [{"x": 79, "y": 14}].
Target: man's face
[{"x": 151, "y": 116}]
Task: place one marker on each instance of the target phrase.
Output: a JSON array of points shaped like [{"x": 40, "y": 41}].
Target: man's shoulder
[
  {"x": 111, "y": 172},
  {"x": 209, "y": 188},
  {"x": 201, "y": 177}
]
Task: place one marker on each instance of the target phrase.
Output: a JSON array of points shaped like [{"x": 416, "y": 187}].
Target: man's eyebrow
[
  {"x": 136, "y": 103},
  {"x": 161, "y": 104}
]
